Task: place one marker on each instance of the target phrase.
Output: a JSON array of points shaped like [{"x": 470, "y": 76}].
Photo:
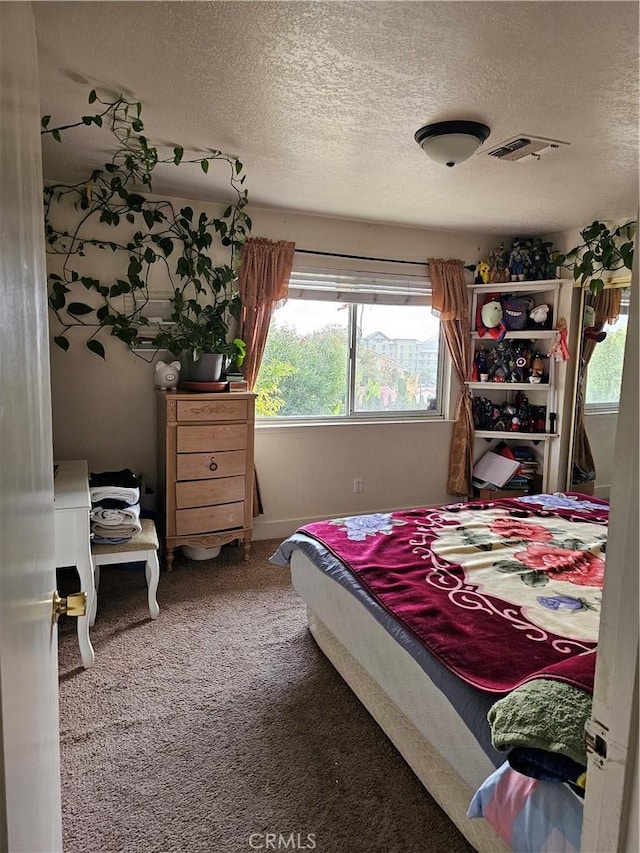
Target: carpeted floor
[{"x": 221, "y": 720}]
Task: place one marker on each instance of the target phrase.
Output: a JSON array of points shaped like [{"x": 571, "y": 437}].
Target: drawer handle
[{"x": 213, "y": 465}]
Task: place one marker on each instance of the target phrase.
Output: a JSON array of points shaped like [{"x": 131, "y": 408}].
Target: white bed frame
[{"x": 401, "y": 697}]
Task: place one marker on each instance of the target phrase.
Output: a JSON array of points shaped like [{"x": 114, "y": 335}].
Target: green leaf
[
  {"x": 535, "y": 578},
  {"x": 63, "y": 343},
  {"x": 148, "y": 218},
  {"x": 45, "y": 121},
  {"x": 102, "y": 312},
  {"x": 96, "y": 347},
  {"x": 93, "y": 96},
  {"x": 78, "y": 309},
  {"x": 131, "y": 218},
  {"x": 187, "y": 213},
  {"x": 596, "y": 285},
  {"x": 97, "y": 120},
  {"x": 177, "y": 155},
  {"x": 205, "y": 166},
  {"x": 87, "y": 120},
  {"x": 166, "y": 245},
  {"x": 56, "y": 135}
]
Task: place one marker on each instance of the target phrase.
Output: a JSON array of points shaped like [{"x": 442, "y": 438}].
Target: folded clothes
[
  {"x": 110, "y": 503},
  {"x": 125, "y": 479},
  {"x": 128, "y": 496},
  {"x": 116, "y": 531},
  {"x": 115, "y": 517}
]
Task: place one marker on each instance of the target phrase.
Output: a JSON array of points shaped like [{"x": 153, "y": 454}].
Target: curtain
[
  {"x": 450, "y": 301},
  {"x": 606, "y": 306},
  {"x": 263, "y": 280}
]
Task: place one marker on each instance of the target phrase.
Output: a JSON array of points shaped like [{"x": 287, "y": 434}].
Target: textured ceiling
[{"x": 321, "y": 100}]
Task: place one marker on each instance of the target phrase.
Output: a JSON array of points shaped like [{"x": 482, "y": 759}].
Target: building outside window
[{"x": 352, "y": 345}]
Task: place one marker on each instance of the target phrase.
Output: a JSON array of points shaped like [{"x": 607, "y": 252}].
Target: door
[{"x": 30, "y": 775}]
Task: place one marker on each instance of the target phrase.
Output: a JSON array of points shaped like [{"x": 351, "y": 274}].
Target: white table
[{"x": 72, "y": 504}]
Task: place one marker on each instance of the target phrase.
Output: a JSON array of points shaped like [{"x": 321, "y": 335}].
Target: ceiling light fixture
[{"x": 451, "y": 142}]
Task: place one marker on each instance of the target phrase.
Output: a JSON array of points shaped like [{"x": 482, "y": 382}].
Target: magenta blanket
[{"x": 500, "y": 592}]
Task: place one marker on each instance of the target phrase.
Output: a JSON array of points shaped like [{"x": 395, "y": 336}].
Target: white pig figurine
[{"x": 167, "y": 375}]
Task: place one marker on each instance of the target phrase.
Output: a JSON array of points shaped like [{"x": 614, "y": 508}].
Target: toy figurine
[
  {"x": 484, "y": 272},
  {"x": 519, "y": 259},
  {"x": 537, "y": 368},
  {"x": 499, "y": 263},
  {"x": 559, "y": 349},
  {"x": 481, "y": 367}
]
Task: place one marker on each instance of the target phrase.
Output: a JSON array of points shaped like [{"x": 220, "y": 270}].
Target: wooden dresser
[{"x": 206, "y": 469}]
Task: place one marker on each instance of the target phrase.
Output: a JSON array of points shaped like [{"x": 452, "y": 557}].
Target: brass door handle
[{"x": 72, "y": 605}]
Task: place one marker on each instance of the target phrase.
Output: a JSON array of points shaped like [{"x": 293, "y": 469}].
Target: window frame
[
  {"x": 409, "y": 290},
  {"x": 608, "y": 407}
]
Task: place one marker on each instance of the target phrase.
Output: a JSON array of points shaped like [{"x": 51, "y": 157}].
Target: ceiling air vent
[{"x": 523, "y": 147}]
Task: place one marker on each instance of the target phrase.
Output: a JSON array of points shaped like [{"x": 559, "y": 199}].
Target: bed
[{"x": 469, "y": 632}]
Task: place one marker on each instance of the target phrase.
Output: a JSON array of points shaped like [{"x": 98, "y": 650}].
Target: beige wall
[{"x": 104, "y": 411}]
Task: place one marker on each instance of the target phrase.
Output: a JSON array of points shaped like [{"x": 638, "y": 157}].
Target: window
[
  {"x": 350, "y": 345},
  {"x": 604, "y": 372}
]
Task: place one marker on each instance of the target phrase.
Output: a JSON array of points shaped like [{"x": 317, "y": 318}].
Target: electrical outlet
[{"x": 357, "y": 486}]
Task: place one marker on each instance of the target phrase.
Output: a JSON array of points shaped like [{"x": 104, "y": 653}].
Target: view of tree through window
[
  {"x": 307, "y": 372},
  {"x": 604, "y": 373}
]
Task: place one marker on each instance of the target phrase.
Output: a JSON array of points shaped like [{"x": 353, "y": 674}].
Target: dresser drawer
[
  {"x": 209, "y": 519},
  {"x": 224, "y": 409},
  {"x": 205, "y": 466},
  {"x": 202, "y": 493},
  {"x": 191, "y": 439}
]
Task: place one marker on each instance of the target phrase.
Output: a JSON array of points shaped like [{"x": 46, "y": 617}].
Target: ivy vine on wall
[{"x": 203, "y": 300}]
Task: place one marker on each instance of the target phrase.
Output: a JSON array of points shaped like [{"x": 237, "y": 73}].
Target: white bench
[{"x": 143, "y": 546}]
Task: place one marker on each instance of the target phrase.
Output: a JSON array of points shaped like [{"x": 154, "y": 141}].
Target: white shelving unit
[{"x": 538, "y": 394}]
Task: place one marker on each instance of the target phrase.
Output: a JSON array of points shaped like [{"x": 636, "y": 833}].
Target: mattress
[{"x": 397, "y": 672}]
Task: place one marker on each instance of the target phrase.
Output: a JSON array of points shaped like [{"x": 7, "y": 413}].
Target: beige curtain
[
  {"x": 606, "y": 306},
  {"x": 263, "y": 281},
  {"x": 449, "y": 299},
  {"x": 265, "y": 270}
]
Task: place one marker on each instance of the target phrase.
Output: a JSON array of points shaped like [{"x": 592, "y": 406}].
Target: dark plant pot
[{"x": 207, "y": 369}]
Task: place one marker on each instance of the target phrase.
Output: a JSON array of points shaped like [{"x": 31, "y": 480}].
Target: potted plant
[
  {"x": 148, "y": 234},
  {"x": 200, "y": 333},
  {"x": 602, "y": 250}
]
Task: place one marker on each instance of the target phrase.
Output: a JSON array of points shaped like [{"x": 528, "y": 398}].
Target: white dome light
[{"x": 451, "y": 142}]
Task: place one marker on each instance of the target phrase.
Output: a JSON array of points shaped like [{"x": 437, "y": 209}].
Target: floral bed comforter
[{"x": 500, "y": 592}]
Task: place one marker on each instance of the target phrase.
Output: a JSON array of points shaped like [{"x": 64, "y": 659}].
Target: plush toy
[
  {"x": 539, "y": 314},
  {"x": 166, "y": 375},
  {"x": 592, "y": 331},
  {"x": 491, "y": 315},
  {"x": 499, "y": 263}
]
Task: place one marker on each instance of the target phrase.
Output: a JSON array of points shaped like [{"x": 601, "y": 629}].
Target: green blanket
[{"x": 545, "y": 714}]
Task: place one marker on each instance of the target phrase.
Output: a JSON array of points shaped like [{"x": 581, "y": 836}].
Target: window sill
[{"x": 264, "y": 423}]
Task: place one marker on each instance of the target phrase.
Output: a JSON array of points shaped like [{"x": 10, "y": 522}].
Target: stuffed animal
[
  {"x": 539, "y": 314},
  {"x": 166, "y": 375},
  {"x": 592, "y": 331},
  {"x": 491, "y": 315}
]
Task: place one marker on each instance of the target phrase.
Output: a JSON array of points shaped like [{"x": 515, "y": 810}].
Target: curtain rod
[{"x": 366, "y": 258}]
